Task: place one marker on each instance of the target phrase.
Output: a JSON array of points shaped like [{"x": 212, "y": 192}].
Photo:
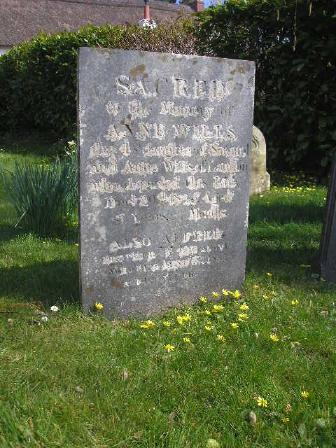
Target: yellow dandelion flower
[
  {"x": 180, "y": 320},
  {"x": 183, "y": 318},
  {"x": 203, "y": 299},
  {"x": 186, "y": 340},
  {"x": 215, "y": 295},
  {"x": 269, "y": 274},
  {"x": 305, "y": 394},
  {"x": 274, "y": 337},
  {"x": 208, "y": 327},
  {"x": 244, "y": 307},
  {"x": 285, "y": 420},
  {"x": 169, "y": 347},
  {"x": 212, "y": 443},
  {"x": 218, "y": 308},
  {"x": 207, "y": 312},
  {"x": 225, "y": 292},
  {"x": 234, "y": 325},
  {"x": 295, "y": 302},
  {"x": 236, "y": 294},
  {"x": 220, "y": 338},
  {"x": 98, "y": 306},
  {"x": 261, "y": 402},
  {"x": 243, "y": 316},
  {"x": 167, "y": 323},
  {"x": 147, "y": 324}
]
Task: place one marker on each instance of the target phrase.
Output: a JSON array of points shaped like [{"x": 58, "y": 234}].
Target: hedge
[
  {"x": 292, "y": 41},
  {"x": 294, "y": 46},
  {"x": 38, "y": 78}
]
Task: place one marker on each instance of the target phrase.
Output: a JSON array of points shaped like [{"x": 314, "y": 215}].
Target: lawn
[{"x": 181, "y": 379}]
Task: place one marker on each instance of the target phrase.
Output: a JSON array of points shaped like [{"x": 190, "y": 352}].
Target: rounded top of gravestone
[{"x": 258, "y": 141}]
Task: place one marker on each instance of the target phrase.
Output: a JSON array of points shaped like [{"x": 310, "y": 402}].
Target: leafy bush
[
  {"x": 294, "y": 45},
  {"x": 71, "y": 161},
  {"x": 38, "y": 79},
  {"x": 292, "y": 41},
  {"x": 43, "y": 195}
]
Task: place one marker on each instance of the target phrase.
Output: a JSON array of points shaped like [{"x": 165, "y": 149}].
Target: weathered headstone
[
  {"x": 164, "y": 143},
  {"x": 259, "y": 177},
  {"x": 328, "y": 240}
]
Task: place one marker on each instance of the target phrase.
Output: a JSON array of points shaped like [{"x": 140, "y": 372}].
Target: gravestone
[
  {"x": 328, "y": 240},
  {"x": 259, "y": 177},
  {"x": 164, "y": 150}
]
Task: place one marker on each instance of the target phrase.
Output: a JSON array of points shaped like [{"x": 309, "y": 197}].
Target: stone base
[
  {"x": 260, "y": 184},
  {"x": 259, "y": 177}
]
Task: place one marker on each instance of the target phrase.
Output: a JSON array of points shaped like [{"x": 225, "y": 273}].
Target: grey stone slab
[
  {"x": 164, "y": 151},
  {"x": 328, "y": 239},
  {"x": 260, "y": 180}
]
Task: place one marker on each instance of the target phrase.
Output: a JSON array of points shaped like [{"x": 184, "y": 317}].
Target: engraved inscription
[{"x": 164, "y": 177}]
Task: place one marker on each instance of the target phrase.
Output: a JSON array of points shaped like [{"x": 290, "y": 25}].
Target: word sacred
[{"x": 212, "y": 90}]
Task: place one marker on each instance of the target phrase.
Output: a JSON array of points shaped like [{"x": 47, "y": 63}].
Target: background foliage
[
  {"x": 44, "y": 196},
  {"x": 292, "y": 41},
  {"x": 294, "y": 46},
  {"x": 38, "y": 79}
]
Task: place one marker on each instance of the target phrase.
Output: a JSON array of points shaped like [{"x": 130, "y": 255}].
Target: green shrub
[
  {"x": 43, "y": 195},
  {"x": 38, "y": 79},
  {"x": 294, "y": 46},
  {"x": 292, "y": 41},
  {"x": 71, "y": 162}
]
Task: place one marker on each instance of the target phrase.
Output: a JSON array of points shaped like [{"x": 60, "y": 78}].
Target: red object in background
[
  {"x": 199, "y": 5},
  {"x": 146, "y": 10}
]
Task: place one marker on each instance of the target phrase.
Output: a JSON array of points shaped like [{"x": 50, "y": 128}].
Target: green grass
[{"x": 81, "y": 381}]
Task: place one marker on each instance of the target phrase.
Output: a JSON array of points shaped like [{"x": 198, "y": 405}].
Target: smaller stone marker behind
[
  {"x": 164, "y": 151},
  {"x": 259, "y": 177},
  {"x": 328, "y": 240}
]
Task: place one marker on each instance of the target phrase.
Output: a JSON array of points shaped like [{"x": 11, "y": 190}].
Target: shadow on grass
[
  {"x": 32, "y": 142},
  {"x": 281, "y": 243},
  {"x": 286, "y": 213},
  {"x": 265, "y": 259},
  {"x": 48, "y": 283},
  {"x": 9, "y": 232},
  {"x": 293, "y": 266}
]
